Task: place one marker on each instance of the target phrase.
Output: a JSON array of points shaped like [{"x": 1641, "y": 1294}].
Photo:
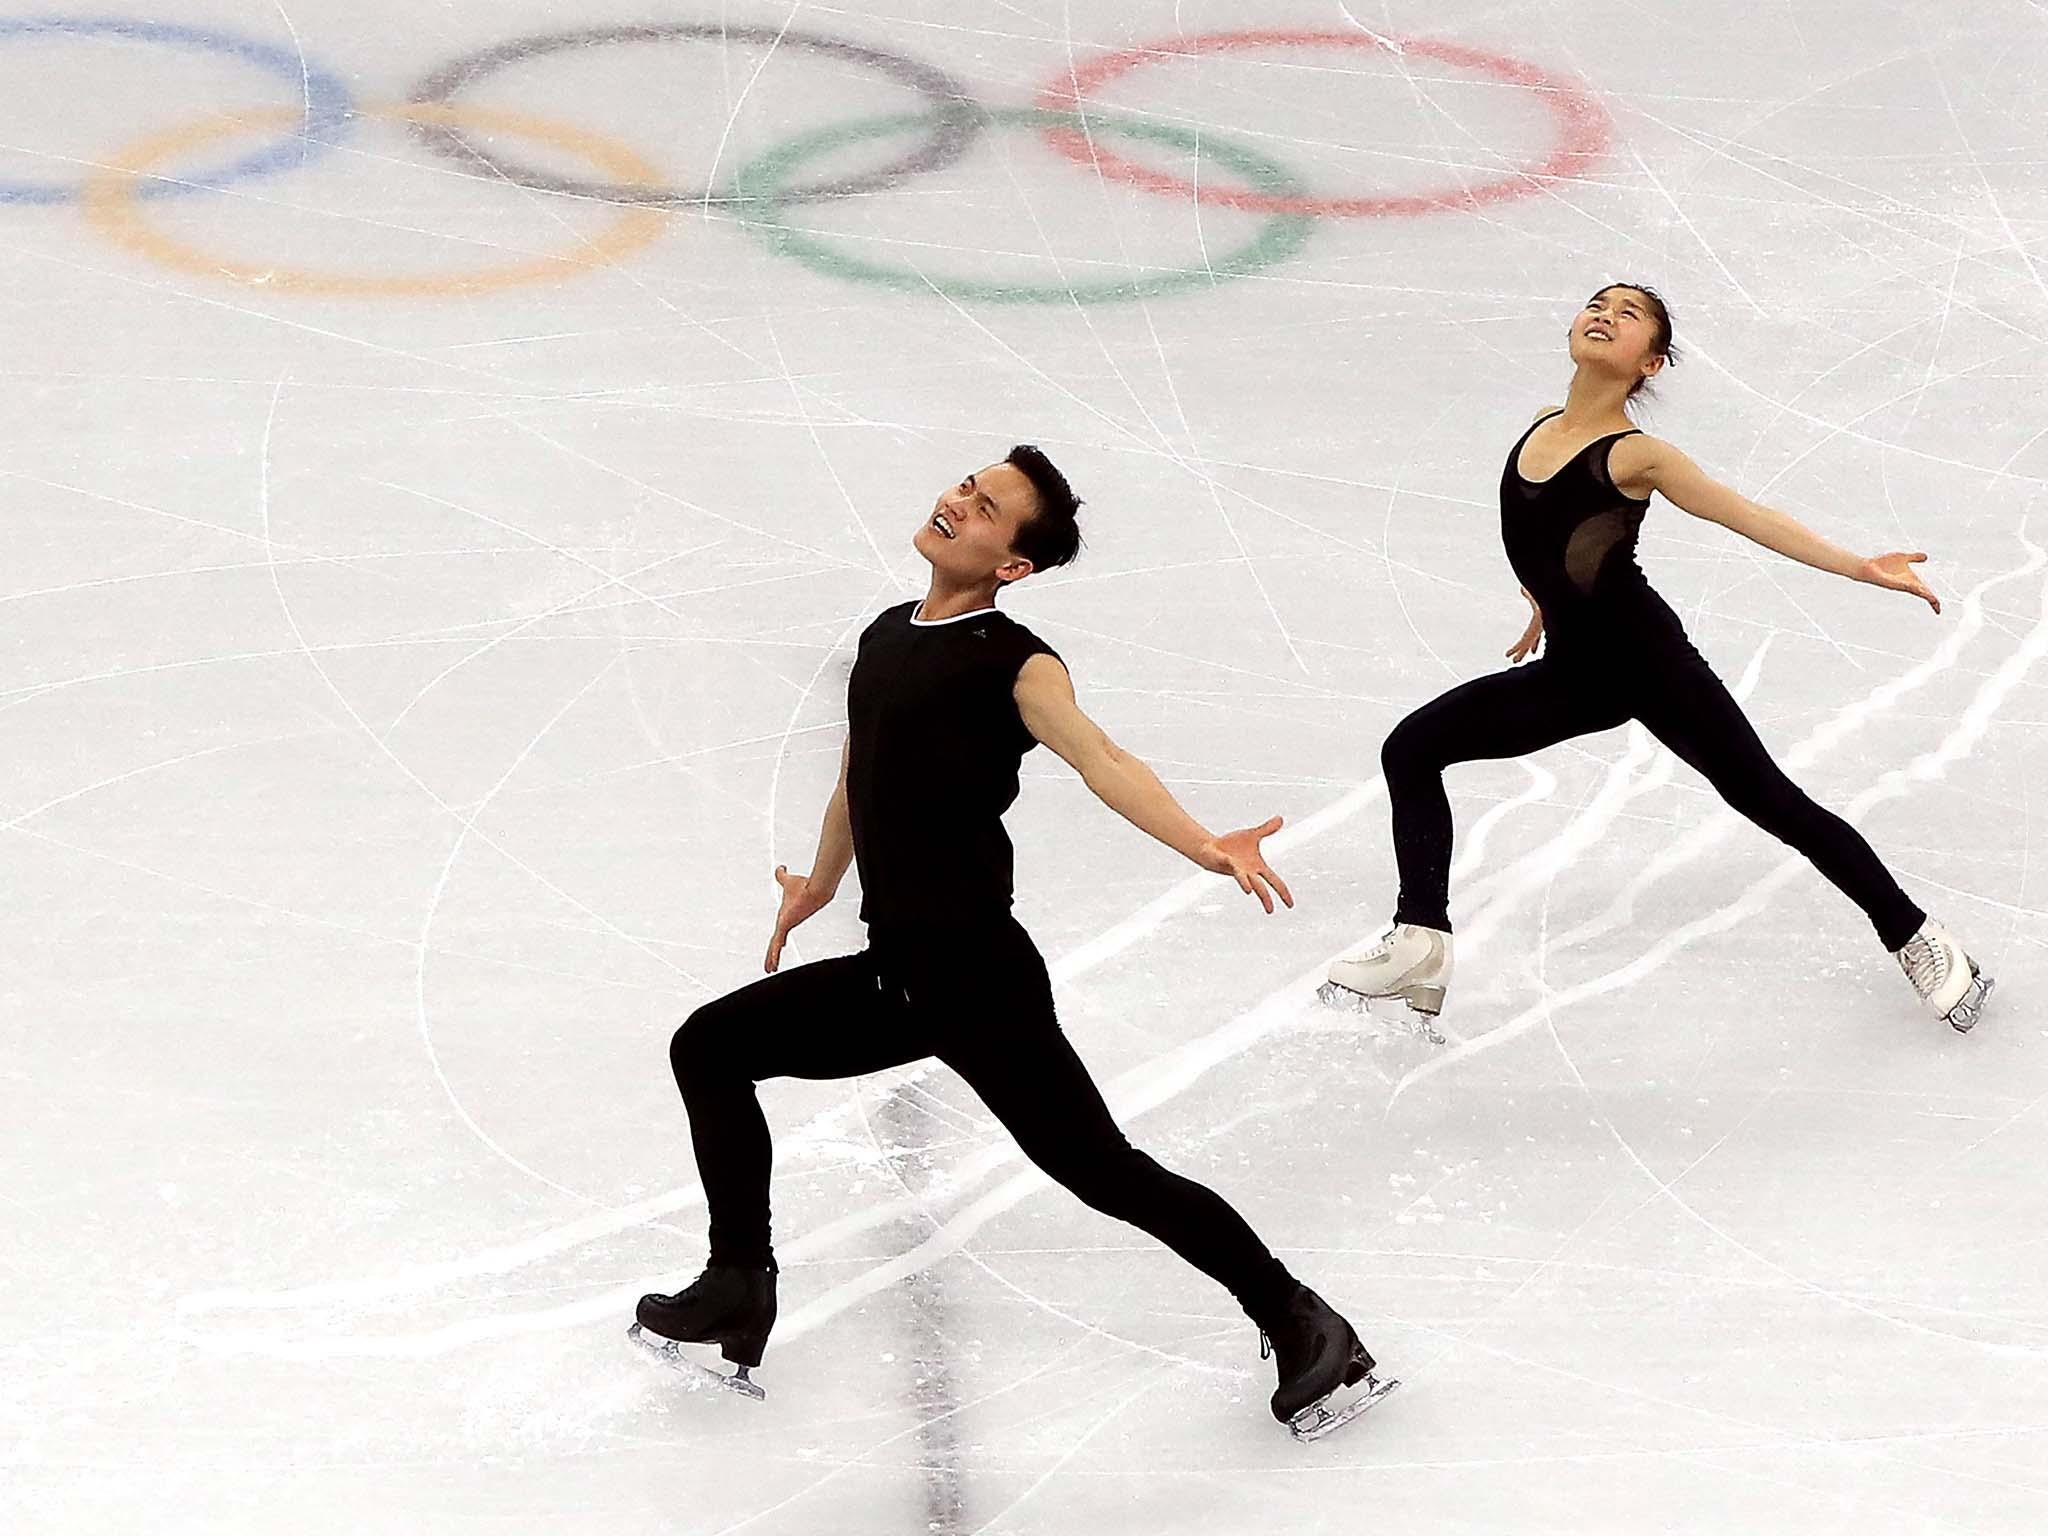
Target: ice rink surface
[{"x": 429, "y": 587}]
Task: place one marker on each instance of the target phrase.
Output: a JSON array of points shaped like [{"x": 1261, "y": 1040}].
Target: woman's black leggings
[
  {"x": 1681, "y": 702},
  {"x": 978, "y": 998}
]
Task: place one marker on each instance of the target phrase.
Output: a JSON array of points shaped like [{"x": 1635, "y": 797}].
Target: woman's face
[{"x": 1618, "y": 332}]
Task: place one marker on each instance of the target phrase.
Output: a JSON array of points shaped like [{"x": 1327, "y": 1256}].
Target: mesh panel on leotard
[
  {"x": 1591, "y": 543},
  {"x": 1565, "y": 534}
]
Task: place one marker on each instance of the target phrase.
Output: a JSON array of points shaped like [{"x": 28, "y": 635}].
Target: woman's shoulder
[
  {"x": 1636, "y": 446},
  {"x": 1635, "y": 461}
]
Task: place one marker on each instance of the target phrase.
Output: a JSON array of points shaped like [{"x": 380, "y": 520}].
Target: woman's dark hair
[
  {"x": 1665, "y": 347},
  {"x": 1052, "y": 537}
]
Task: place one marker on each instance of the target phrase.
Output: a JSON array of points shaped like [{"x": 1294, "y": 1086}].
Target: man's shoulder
[
  {"x": 1016, "y": 643},
  {"x": 1015, "y": 630},
  {"x": 893, "y": 618}
]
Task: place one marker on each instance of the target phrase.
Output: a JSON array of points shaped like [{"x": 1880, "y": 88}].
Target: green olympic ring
[{"x": 760, "y": 196}]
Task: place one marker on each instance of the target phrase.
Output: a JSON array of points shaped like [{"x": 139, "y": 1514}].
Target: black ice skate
[
  {"x": 1318, "y": 1356},
  {"x": 728, "y": 1305}
]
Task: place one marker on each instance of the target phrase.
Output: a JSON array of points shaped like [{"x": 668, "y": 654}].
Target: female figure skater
[{"x": 1572, "y": 498}]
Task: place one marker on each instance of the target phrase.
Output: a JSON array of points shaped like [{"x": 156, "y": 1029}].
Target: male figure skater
[{"x": 946, "y": 697}]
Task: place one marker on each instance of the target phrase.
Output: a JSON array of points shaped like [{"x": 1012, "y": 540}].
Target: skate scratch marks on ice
[
  {"x": 506, "y": 1257},
  {"x": 1146, "y": 1087},
  {"x": 1823, "y": 739},
  {"x": 1168, "y": 1076},
  {"x": 423, "y": 946},
  {"x": 1154, "y": 1083},
  {"x": 1976, "y": 719},
  {"x": 1133, "y": 1093},
  {"x": 1621, "y": 787},
  {"x": 1695, "y": 348},
  {"x": 1392, "y": 45},
  {"x": 1136, "y": 1091},
  {"x": 467, "y": 823},
  {"x": 922, "y": 1206},
  {"x": 1928, "y": 766},
  {"x": 1141, "y": 1088},
  {"x": 1542, "y": 785}
]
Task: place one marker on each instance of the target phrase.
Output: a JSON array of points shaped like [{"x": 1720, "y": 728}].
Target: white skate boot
[
  {"x": 1411, "y": 963},
  {"x": 1944, "y": 975}
]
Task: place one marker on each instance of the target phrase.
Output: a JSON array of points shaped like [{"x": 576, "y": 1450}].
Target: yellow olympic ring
[{"x": 109, "y": 201}]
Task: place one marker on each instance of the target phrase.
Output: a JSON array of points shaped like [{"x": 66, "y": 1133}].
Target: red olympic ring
[{"x": 1584, "y": 129}]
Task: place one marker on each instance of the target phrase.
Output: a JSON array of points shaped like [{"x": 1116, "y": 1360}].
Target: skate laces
[
  {"x": 1925, "y": 963},
  {"x": 1380, "y": 948}
]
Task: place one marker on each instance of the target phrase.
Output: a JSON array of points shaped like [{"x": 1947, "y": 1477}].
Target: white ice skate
[
  {"x": 1944, "y": 975},
  {"x": 1411, "y": 963}
]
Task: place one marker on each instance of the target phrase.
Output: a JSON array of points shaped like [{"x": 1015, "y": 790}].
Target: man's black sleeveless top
[
  {"x": 1572, "y": 542},
  {"x": 935, "y": 741}
]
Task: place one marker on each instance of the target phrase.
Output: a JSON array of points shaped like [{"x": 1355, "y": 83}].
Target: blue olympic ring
[{"x": 329, "y": 102}]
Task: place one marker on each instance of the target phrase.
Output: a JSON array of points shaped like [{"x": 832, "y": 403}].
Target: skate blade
[
  {"x": 1963, "y": 1017},
  {"x": 1333, "y": 994},
  {"x": 1320, "y": 1419},
  {"x": 670, "y": 1353}
]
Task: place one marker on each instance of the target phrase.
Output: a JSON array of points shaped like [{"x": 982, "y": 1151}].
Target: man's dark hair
[{"x": 1052, "y": 537}]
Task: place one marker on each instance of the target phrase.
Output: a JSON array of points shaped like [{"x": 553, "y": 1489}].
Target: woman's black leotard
[
  {"x": 1572, "y": 542},
  {"x": 1614, "y": 652}
]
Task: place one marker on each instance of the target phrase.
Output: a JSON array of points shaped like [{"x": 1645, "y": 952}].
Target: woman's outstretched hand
[{"x": 1895, "y": 571}]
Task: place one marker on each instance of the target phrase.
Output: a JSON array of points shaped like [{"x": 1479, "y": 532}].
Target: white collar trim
[{"x": 973, "y": 613}]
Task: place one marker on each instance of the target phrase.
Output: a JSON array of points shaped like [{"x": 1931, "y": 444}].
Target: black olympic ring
[{"x": 956, "y": 117}]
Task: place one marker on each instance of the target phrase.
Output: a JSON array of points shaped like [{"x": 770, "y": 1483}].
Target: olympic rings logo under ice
[
  {"x": 112, "y": 207},
  {"x": 327, "y": 100},
  {"x": 763, "y": 193}
]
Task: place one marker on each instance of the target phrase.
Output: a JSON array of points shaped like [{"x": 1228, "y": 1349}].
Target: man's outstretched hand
[{"x": 1237, "y": 855}]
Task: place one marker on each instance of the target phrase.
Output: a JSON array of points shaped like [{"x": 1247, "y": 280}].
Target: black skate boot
[
  {"x": 1318, "y": 1355},
  {"x": 728, "y": 1305}
]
